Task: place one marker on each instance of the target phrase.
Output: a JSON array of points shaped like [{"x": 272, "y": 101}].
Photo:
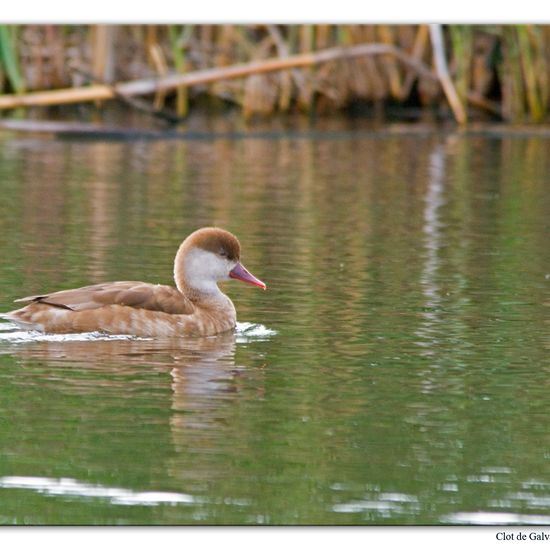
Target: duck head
[{"x": 208, "y": 256}]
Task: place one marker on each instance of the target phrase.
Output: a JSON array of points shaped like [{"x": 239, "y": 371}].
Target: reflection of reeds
[{"x": 486, "y": 63}]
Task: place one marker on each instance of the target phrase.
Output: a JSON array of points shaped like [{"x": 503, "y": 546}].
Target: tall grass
[
  {"x": 507, "y": 65},
  {"x": 179, "y": 38},
  {"x": 462, "y": 42},
  {"x": 10, "y": 59}
]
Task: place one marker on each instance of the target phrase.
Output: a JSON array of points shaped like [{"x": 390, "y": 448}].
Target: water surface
[{"x": 395, "y": 372}]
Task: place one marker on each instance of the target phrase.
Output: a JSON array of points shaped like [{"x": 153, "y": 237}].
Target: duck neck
[{"x": 190, "y": 283}]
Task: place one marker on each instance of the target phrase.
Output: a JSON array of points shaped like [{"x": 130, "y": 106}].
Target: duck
[{"x": 194, "y": 307}]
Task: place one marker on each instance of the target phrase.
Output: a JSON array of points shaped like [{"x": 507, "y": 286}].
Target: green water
[{"x": 396, "y": 371}]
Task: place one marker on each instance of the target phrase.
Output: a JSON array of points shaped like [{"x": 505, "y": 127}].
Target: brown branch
[
  {"x": 420, "y": 42},
  {"x": 133, "y": 102},
  {"x": 148, "y": 86}
]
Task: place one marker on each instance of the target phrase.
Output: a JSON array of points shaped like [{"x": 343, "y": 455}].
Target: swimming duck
[{"x": 196, "y": 307}]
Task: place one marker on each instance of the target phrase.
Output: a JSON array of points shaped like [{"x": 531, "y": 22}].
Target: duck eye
[{"x": 223, "y": 253}]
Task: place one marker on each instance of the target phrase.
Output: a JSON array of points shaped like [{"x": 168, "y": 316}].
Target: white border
[
  {"x": 266, "y": 538},
  {"x": 278, "y": 11}
]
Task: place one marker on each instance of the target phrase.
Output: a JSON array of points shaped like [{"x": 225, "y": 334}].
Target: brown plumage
[
  {"x": 123, "y": 293},
  {"x": 195, "y": 307}
]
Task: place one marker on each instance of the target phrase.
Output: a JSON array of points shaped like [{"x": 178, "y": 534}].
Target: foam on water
[
  {"x": 253, "y": 331},
  {"x": 10, "y": 332}
]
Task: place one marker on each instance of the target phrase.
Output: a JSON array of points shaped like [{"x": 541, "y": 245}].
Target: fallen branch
[
  {"x": 420, "y": 42},
  {"x": 148, "y": 86},
  {"x": 134, "y": 103}
]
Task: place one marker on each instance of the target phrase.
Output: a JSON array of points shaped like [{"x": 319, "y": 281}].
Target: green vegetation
[{"x": 9, "y": 58}]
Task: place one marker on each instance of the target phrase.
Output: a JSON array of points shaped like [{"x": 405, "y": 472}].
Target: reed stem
[
  {"x": 9, "y": 59},
  {"x": 443, "y": 74}
]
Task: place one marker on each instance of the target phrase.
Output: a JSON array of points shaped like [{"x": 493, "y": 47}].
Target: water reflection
[
  {"x": 494, "y": 518},
  {"x": 191, "y": 384},
  {"x": 198, "y": 367},
  {"x": 408, "y": 379},
  {"x": 433, "y": 242},
  {"x": 74, "y": 488}
]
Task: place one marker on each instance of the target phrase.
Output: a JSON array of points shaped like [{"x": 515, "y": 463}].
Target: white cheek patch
[{"x": 203, "y": 269}]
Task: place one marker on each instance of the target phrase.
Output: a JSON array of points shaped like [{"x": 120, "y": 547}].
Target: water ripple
[{"x": 385, "y": 504}]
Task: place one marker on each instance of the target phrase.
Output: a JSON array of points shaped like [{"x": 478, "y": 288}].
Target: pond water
[{"x": 396, "y": 371}]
